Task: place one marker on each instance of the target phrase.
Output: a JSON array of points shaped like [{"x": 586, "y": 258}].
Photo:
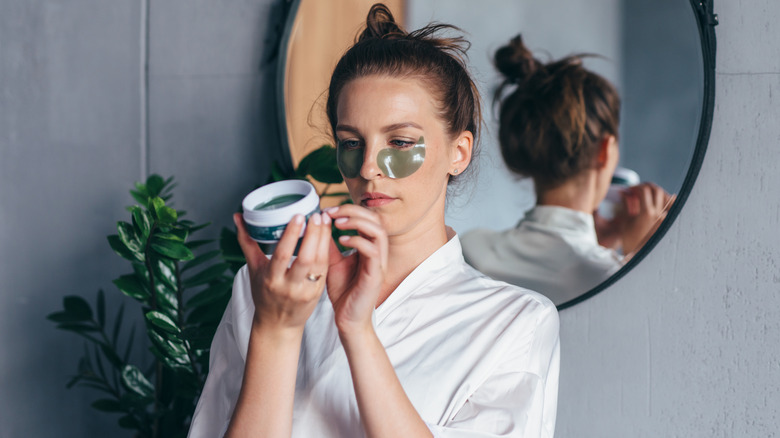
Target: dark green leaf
[
  {"x": 172, "y": 350},
  {"x": 131, "y": 286},
  {"x": 78, "y": 307},
  {"x": 155, "y": 203},
  {"x": 129, "y": 346},
  {"x": 139, "y": 196},
  {"x": 78, "y": 328},
  {"x": 141, "y": 221},
  {"x": 277, "y": 174},
  {"x": 208, "y": 314},
  {"x": 129, "y": 422},
  {"x": 321, "y": 165},
  {"x": 170, "y": 236},
  {"x": 162, "y": 321},
  {"x": 112, "y": 357},
  {"x": 122, "y": 250},
  {"x": 172, "y": 249},
  {"x": 211, "y": 294},
  {"x": 179, "y": 233},
  {"x": 154, "y": 185},
  {"x": 194, "y": 228},
  {"x": 135, "y": 381},
  {"x": 63, "y": 318},
  {"x": 118, "y": 324},
  {"x": 198, "y": 243},
  {"x": 167, "y": 215},
  {"x": 165, "y": 270},
  {"x": 128, "y": 237},
  {"x": 207, "y": 275},
  {"x": 202, "y": 258},
  {"x": 101, "y": 308},
  {"x": 107, "y": 405}
]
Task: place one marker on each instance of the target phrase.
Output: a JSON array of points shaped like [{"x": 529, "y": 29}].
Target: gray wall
[
  {"x": 685, "y": 345},
  {"x": 688, "y": 343},
  {"x": 72, "y": 143}
]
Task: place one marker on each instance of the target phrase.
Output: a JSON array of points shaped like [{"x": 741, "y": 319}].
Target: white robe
[
  {"x": 552, "y": 250},
  {"x": 476, "y": 357}
]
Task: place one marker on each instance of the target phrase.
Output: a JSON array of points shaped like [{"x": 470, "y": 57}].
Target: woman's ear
[
  {"x": 461, "y": 154},
  {"x": 607, "y": 151}
]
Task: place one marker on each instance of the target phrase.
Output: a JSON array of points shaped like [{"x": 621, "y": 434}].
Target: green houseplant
[{"x": 182, "y": 286}]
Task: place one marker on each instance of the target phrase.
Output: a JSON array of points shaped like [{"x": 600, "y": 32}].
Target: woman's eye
[
  {"x": 349, "y": 144},
  {"x": 402, "y": 144}
]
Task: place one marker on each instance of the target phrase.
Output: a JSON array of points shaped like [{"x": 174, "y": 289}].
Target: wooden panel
[{"x": 322, "y": 32}]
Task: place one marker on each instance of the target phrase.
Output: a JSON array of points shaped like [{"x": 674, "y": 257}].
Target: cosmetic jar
[
  {"x": 622, "y": 179},
  {"x": 269, "y": 209}
]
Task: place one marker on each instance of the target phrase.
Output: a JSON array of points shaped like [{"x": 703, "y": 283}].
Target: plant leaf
[
  {"x": 202, "y": 258},
  {"x": 171, "y": 248},
  {"x": 107, "y": 405},
  {"x": 198, "y": 243},
  {"x": 123, "y": 251},
  {"x": 164, "y": 322},
  {"x": 129, "y": 422},
  {"x": 112, "y": 357},
  {"x": 321, "y": 165},
  {"x": 141, "y": 221},
  {"x": 154, "y": 185},
  {"x": 207, "y": 275},
  {"x": 135, "y": 381},
  {"x": 211, "y": 294},
  {"x": 101, "y": 308},
  {"x": 128, "y": 237},
  {"x": 131, "y": 286},
  {"x": 167, "y": 215},
  {"x": 118, "y": 324},
  {"x": 78, "y": 307}
]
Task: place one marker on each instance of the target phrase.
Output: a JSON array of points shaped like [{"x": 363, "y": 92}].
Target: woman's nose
[{"x": 370, "y": 169}]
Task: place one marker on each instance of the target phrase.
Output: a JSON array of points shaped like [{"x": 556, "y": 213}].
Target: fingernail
[
  {"x": 316, "y": 219},
  {"x": 325, "y": 218},
  {"x": 330, "y": 209},
  {"x": 341, "y": 220},
  {"x": 298, "y": 219},
  {"x": 343, "y": 238}
]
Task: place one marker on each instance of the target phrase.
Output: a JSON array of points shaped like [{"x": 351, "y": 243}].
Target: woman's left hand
[{"x": 354, "y": 282}]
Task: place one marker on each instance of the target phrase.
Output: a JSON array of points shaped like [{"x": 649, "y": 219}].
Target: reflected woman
[
  {"x": 558, "y": 124},
  {"x": 409, "y": 340}
]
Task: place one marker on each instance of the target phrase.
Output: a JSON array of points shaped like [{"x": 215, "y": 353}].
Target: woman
[
  {"x": 408, "y": 341},
  {"x": 559, "y": 126}
]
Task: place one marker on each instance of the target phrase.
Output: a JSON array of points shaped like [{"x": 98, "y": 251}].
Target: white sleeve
[
  {"x": 226, "y": 366},
  {"x": 520, "y": 398}
]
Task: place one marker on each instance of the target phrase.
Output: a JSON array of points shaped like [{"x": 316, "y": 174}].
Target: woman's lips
[{"x": 375, "y": 199}]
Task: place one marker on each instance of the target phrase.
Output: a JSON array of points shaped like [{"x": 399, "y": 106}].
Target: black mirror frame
[{"x": 706, "y": 20}]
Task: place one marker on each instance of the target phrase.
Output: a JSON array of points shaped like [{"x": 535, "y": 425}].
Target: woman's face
[{"x": 383, "y": 116}]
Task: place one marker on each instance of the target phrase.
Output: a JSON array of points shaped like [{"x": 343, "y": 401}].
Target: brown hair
[
  {"x": 384, "y": 48},
  {"x": 551, "y": 125}
]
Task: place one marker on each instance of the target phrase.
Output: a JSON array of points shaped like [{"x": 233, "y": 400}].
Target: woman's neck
[
  {"x": 578, "y": 193},
  {"x": 407, "y": 250}
]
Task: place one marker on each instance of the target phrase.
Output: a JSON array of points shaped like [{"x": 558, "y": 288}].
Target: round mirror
[{"x": 659, "y": 54}]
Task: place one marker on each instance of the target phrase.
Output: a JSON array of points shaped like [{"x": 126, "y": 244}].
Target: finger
[
  {"x": 305, "y": 264},
  {"x": 370, "y": 252},
  {"x": 323, "y": 249},
  {"x": 364, "y": 226},
  {"x": 334, "y": 253},
  {"x": 351, "y": 210},
  {"x": 286, "y": 246},
  {"x": 252, "y": 253}
]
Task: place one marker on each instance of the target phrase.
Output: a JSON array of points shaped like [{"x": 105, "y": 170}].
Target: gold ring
[{"x": 312, "y": 277}]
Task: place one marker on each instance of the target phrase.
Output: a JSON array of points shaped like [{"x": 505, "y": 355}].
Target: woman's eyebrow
[{"x": 397, "y": 126}]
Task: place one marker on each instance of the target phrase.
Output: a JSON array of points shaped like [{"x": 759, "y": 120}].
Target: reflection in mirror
[{"x": 658, "y": 75}]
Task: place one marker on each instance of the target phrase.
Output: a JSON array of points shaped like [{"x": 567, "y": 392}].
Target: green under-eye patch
[{"x": 394, "y": 163}]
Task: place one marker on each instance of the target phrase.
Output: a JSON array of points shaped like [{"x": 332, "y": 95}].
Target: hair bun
[
  {"x": 515, "y": 61},
  {"x": 380, "y": 23}
]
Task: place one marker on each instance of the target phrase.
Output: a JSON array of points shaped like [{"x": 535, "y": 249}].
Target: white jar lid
[{"x": 284, "y": 214}]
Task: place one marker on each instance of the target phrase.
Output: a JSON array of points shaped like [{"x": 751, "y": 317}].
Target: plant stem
[{"x": 158, "y": 368}]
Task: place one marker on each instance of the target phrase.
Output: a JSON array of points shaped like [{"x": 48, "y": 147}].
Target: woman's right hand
[
  {"x": 285, "y": 294},
  {"x": 644, "y": 208}
]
